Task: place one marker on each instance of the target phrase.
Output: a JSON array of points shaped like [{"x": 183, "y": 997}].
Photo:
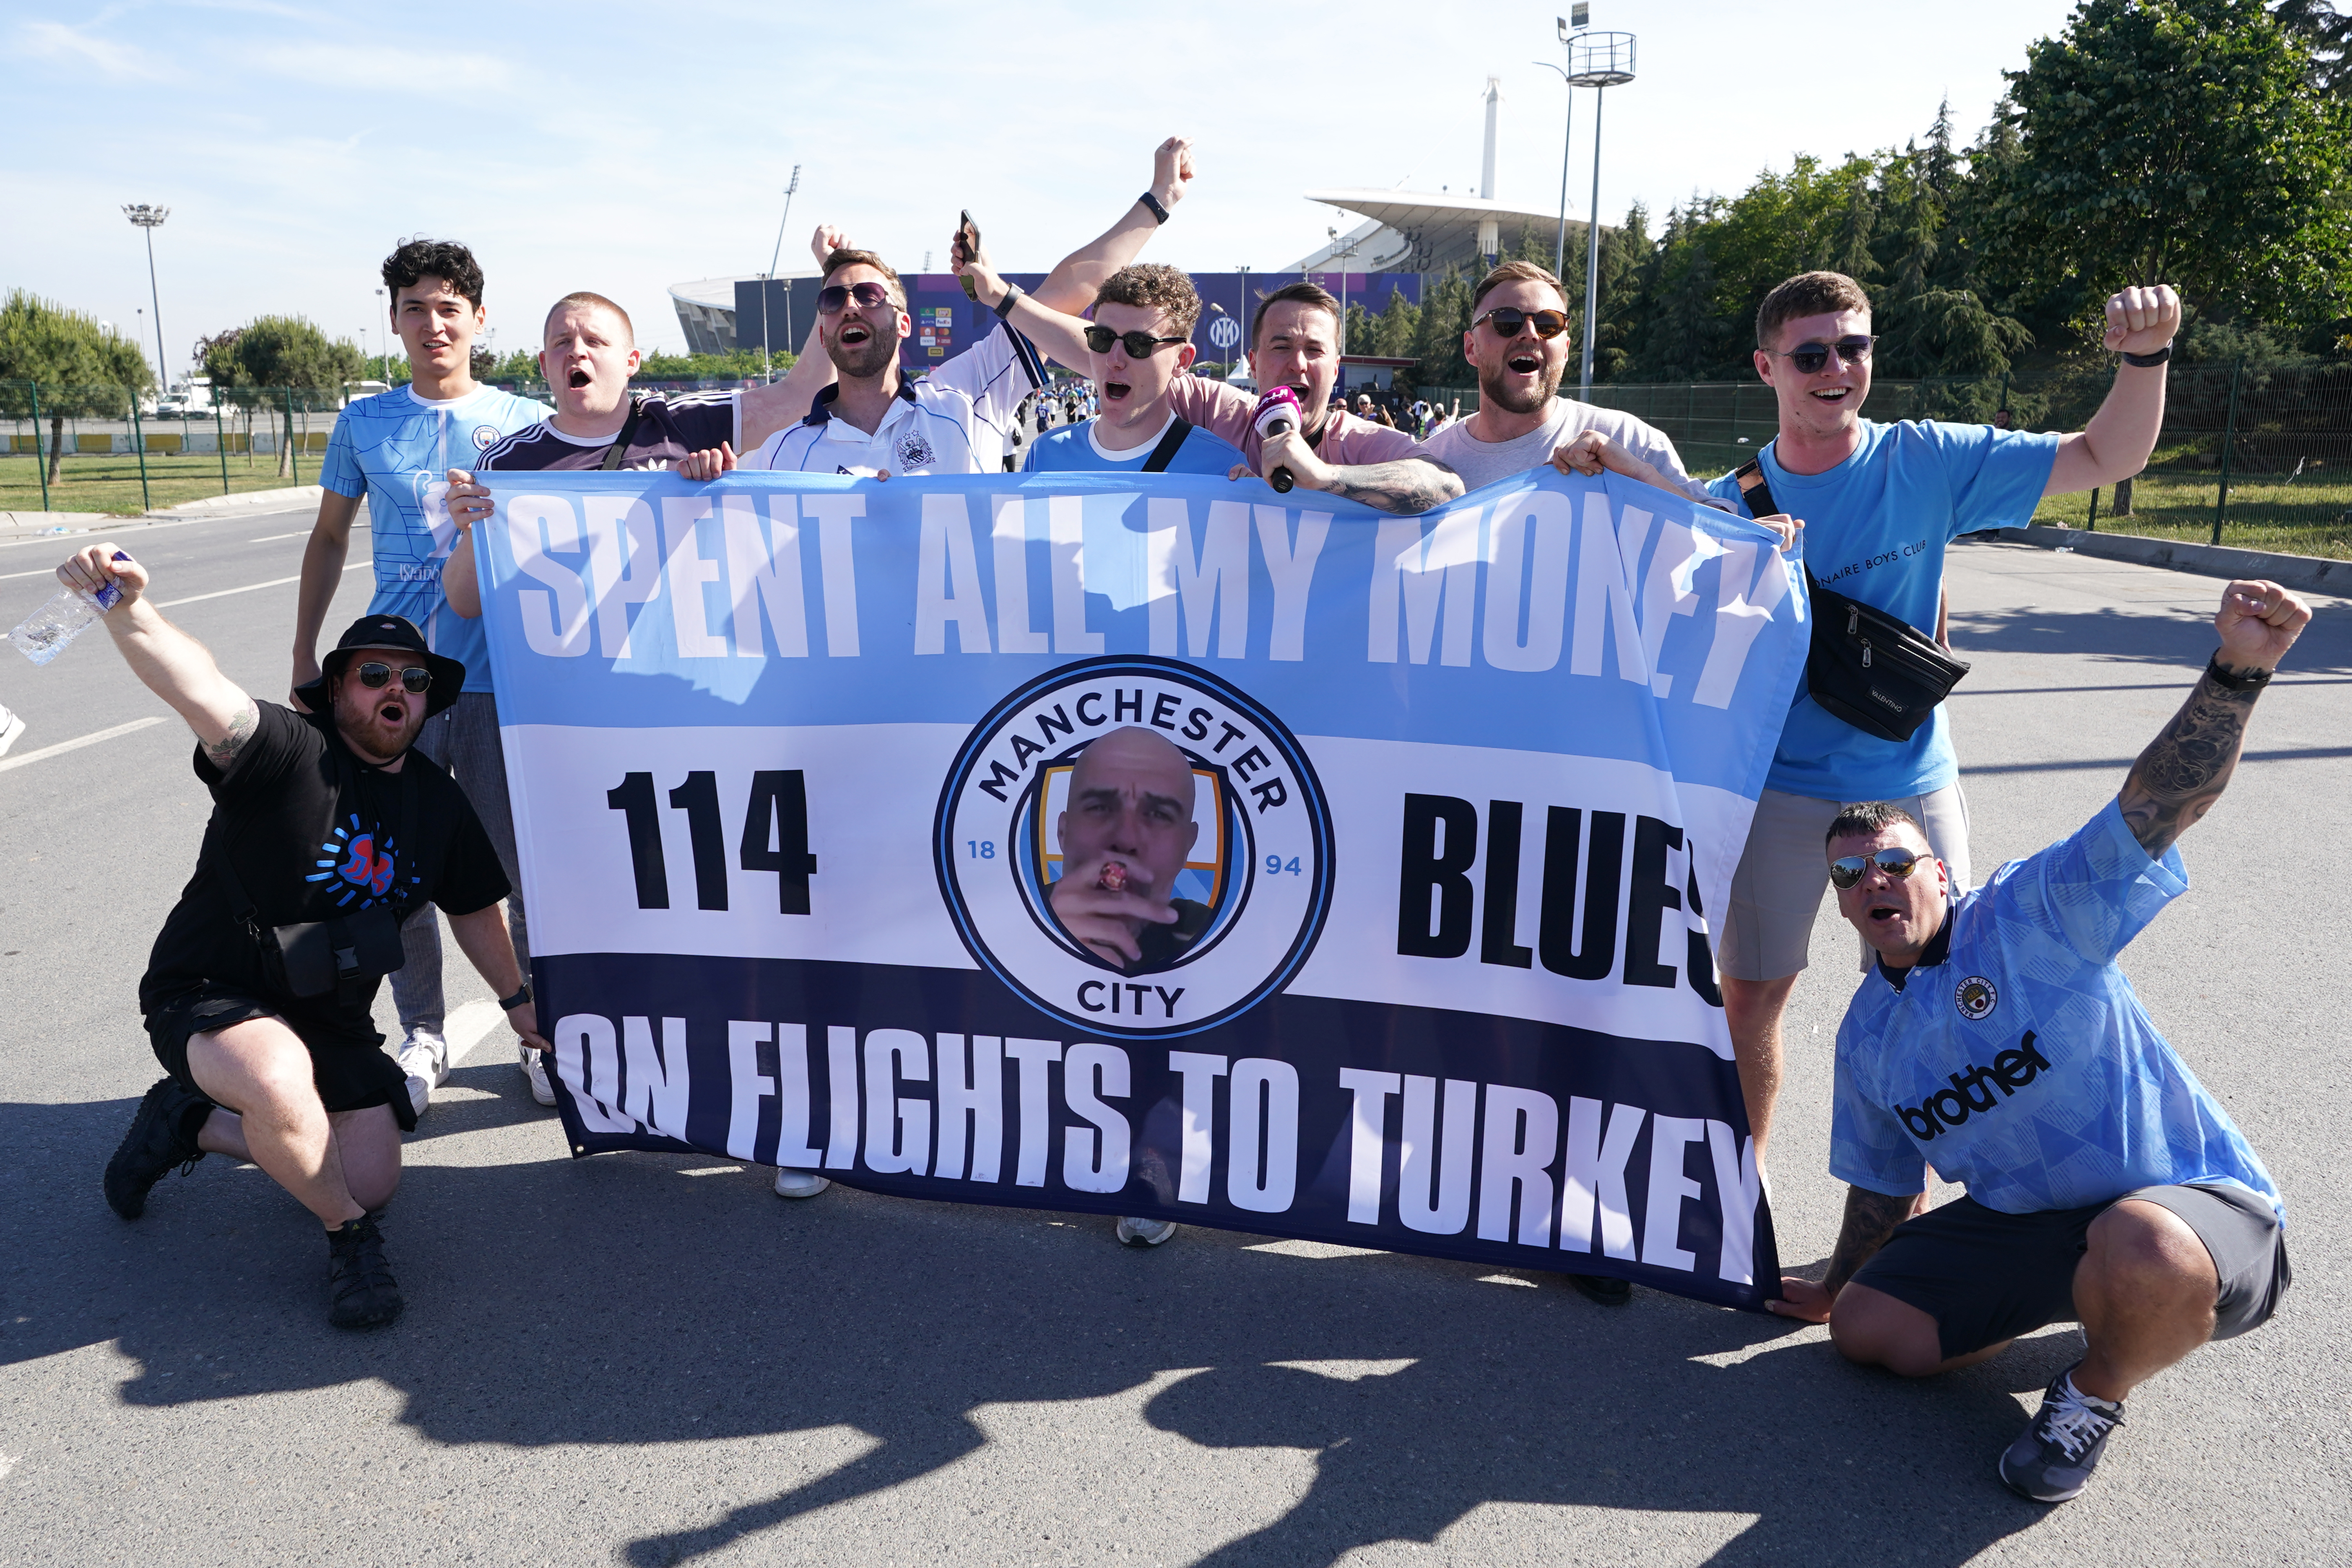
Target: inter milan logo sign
[{"x": 1135, "y": 847}]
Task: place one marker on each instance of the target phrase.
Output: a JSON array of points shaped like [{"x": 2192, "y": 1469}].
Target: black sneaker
[
  {"x": 161, "y": 1137},
  {"x": 2052, "y": 1461},
  {"x": 365, "y": 1294},
  {"x": 1605, "y": 1289}
]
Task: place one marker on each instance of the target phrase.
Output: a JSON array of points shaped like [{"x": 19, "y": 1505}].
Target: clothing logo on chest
[
  {"x": 1975, "y": 998},
  {"x": 914, "y": 451},
  {"x": 363, "y": 868},
  {"x": 485, "y": 437},
  {"x": 1972, "y": 1091}
]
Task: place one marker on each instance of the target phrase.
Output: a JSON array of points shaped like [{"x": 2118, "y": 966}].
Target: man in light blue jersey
[
  {"x": 1879, "y": 503},
  {"x": 1998, "y": 1041},
  {"x": 1139, "y": 343},
  {"x": 397, "y": 449}
]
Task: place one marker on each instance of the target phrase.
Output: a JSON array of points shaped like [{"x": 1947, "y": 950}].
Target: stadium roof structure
[{"x": 1426, "y": 231}]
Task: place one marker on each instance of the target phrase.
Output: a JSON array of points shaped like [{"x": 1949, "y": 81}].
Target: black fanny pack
[
  {"x": 344, "y": 955},
  {"x": 1874, "y": 670}
]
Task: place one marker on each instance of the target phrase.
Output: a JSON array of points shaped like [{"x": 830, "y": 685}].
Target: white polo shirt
[{"x": 954, "y": 421}]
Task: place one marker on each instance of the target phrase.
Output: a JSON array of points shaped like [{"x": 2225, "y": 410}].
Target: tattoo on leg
[
  {"x": 221, "y": 753},
  {"x": 2185, "y": 769},
  {"x": 1870, "y": 1218}
]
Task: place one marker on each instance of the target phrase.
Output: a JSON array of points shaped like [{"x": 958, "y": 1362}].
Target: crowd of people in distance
[{"x": 1993, "y": 1036}]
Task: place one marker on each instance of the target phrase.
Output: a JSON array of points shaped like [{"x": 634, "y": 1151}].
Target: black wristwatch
[
  {"x": 1003, "y": 308},
  {"x": 521, "y": 998},
  {"x": 2253, "y": 680},
  {"x": 1153, "y": 203},
  {"x": 2149, "y": 362}
]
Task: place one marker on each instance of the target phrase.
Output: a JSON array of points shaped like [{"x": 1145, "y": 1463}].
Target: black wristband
[
  {"x": 2149, "y": 362},
  {"x": 1152, "y": 204},
  {"x": 1004, "y": 307},
  {"x": 2253, "y": 680},
  {"x": 508, "y": 1004}
]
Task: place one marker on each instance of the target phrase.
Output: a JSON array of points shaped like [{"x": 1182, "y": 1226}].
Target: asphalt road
[{"x": 644, "y": 1359}]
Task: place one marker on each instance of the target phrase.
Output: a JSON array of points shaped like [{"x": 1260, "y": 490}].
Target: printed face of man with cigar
[{"x": 1125, "y": 835}]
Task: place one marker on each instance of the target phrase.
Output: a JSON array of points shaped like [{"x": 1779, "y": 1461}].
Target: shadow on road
[
  {"x": 611, "y": 1301},
  {"x": 2144, "y": 636}
]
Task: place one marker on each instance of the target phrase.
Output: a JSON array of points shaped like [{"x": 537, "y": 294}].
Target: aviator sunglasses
[
  {"x": 1846, "y": 873},
  {"x": 1508, "y": 318},
  {"x": 833, "y": 296},
  {"x": 1809, "y": 358},
  {"x": 371, "y": 675},
  {"x": 1138, "y": 346}
]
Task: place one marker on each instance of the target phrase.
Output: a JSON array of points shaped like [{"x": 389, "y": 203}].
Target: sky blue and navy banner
[{"x": 1156, "y": 847}]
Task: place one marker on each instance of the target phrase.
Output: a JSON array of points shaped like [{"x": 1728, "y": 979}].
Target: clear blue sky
[{"x": 571, "y": 148}]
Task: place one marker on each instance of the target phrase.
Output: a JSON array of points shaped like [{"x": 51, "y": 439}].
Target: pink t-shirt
[{"x": 1224, "y": 412}]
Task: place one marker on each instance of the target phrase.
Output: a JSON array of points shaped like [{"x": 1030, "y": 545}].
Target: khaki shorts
[{"x": 1767, "y": 932}]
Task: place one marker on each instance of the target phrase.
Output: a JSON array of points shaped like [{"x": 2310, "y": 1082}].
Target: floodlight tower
[
  {"x": 151, "y": 219},
  {"x": 1600, "y": 62},
  {"x": 765, "y": 277}
]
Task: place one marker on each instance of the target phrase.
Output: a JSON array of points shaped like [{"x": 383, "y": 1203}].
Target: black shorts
[
  {"x": 1985, "y": 1275},
  {"x": 350, "y": 1077}
]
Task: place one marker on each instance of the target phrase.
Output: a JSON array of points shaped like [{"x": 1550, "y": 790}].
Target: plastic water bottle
[{"x": 69, "y": 612}]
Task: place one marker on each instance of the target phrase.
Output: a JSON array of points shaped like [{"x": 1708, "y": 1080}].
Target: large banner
[{"x": 1159, "y": 847}]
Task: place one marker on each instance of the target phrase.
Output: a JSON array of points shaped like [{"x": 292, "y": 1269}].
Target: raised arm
[
  {"x": 1079, "y": 277},
  {"x": 2185, "y": 769},
  {"x": 2116, "y": 444},
  {"x": 1870, "y": 1218},
  {"x": 1059, "y": 336},
  {"x": 170, "y": 663}
]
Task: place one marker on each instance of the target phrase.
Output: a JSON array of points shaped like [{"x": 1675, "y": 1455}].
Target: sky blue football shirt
[{"x": 1073, "y": 449}]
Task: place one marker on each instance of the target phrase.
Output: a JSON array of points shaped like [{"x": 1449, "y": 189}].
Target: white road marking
[
  {"x": 249, "y": 588},
  {"x": 272, "y": 538},
  {"x": 64, "y": 746},
  {"x": 468, "y": 1026}
]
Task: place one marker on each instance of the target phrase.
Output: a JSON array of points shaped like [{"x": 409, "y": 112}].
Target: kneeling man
[
  {"x": 1999, "y": 1042},
  {"x": 328, "y": 832}
]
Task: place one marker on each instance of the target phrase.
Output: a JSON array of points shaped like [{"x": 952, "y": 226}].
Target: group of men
[{"x": 2104, "y": 1184}]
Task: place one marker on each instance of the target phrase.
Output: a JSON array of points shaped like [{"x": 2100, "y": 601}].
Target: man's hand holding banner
[{"x": 1156, "y": 847}]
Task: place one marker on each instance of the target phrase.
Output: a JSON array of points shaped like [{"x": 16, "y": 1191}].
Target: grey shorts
[
  {"x": 1985, "y": 1275},
  {"x": 1767, "y": 932}
]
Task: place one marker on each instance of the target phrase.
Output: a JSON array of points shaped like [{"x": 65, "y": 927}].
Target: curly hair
[
  {"x": 1148, "y": 286},
  {"x": 413, "y": 260}
]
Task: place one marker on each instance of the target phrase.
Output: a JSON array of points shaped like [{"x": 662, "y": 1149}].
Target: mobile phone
[{"x": 967, "y": 249}]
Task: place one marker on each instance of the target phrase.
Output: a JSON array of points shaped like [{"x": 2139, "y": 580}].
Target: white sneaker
[
  {"x": 1137, "y": 1232},
  {"x": 424, "y": 1056},
  {"x": 534, "y": 1068},
  {"x": 800, "y": 1183},
  {"x": 10, "y": 727}
]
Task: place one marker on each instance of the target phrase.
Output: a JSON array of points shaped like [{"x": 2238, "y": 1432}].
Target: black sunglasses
[
  {"x": 1846, "y": 873},
  {"x": 1138, "y": 346},
  {"x": 1809, "y": 358},
  {"x": 374, "y": 675},
  {"x": 833, "y": 296},
  {"x": 1509, "y": 318}
]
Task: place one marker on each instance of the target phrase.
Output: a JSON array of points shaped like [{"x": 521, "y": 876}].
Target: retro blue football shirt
[
  {"x": 2018, "y": 1060},
  {"x": 1074, "y": 449},
  {"x": 395, "y": 449}
]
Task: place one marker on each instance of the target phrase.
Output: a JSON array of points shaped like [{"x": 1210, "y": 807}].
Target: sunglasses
[
  {"x": 1809, "y": 358},
  {"x": 833, "y": 296},
  {"x": 1138, "y": 346},
  {"x": 1509, "y": 318},
  {"x": 374, "y": 675},
  {"x": 1846, "y": 873}
]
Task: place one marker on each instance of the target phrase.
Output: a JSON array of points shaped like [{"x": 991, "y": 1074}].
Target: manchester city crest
[
  {"x": 914, "y": 451},
  {"x": 1975, "y": 997}
]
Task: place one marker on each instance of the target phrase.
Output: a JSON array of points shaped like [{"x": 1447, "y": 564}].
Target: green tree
[
  {"x": 1437, "y": 336},
  {"x": 2179, "y": 142},
  {"x": 2329, "y": 35},
  {"x": 293, "y": 369},
  {"x": 82, "y": 369}
]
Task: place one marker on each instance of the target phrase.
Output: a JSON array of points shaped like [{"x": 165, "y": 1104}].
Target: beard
[
  {"x": 1495, "y": 385},
  {"x": 866, "y": 360}
]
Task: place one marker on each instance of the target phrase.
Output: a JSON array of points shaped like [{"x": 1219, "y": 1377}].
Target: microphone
[{"x": 1277, "y": 415}]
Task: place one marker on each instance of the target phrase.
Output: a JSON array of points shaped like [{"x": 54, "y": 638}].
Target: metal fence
[{"x": 80, "y": 448}]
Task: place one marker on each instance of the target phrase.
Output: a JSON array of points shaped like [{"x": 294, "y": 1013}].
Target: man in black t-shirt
[{"x": 327, "y": 832}]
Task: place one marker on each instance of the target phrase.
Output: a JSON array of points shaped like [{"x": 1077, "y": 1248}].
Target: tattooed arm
[
  {"x": 1870, "y": 1218},
  {"x": 1404, "y": 485},
  {"x": 2188, "y": 765},
  {"x": 170, "y": 663}
]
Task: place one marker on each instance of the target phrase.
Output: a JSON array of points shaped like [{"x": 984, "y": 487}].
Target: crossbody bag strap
[
  {"x": 619, "y": 449},
  {"x": 1171, "y": 441}
]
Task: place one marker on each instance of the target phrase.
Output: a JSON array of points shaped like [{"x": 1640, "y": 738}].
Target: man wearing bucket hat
[{"x": 327, "y": 833}]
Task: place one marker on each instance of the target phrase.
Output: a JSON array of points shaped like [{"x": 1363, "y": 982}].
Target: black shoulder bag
[
  {"x": 1171, "y": 441},
  {"x": 314, "y": 958},
  {"x": 619, "y": 449},
  {"x": 1872, "y": 669}
]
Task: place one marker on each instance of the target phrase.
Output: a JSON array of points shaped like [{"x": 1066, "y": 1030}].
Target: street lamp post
[
  {"x": 1243, "y": 318},
  {"x": 383, "y": 311},
  {"x": 1600, "y": 62},
  {"x": 150, "y": 219},
  {"x": 769, "y": 276},
  {"x": 1567, "y": 139}
]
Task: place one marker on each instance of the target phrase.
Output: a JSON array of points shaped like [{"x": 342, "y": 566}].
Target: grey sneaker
[
  {"x": 424, "y": 1056},
  {"x": 1145, "y": 1232},
  {"x": 534, "y": 1068},
  {"x": 800, "y": 1183},
  {"x": 2053, "y": 1459}
]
